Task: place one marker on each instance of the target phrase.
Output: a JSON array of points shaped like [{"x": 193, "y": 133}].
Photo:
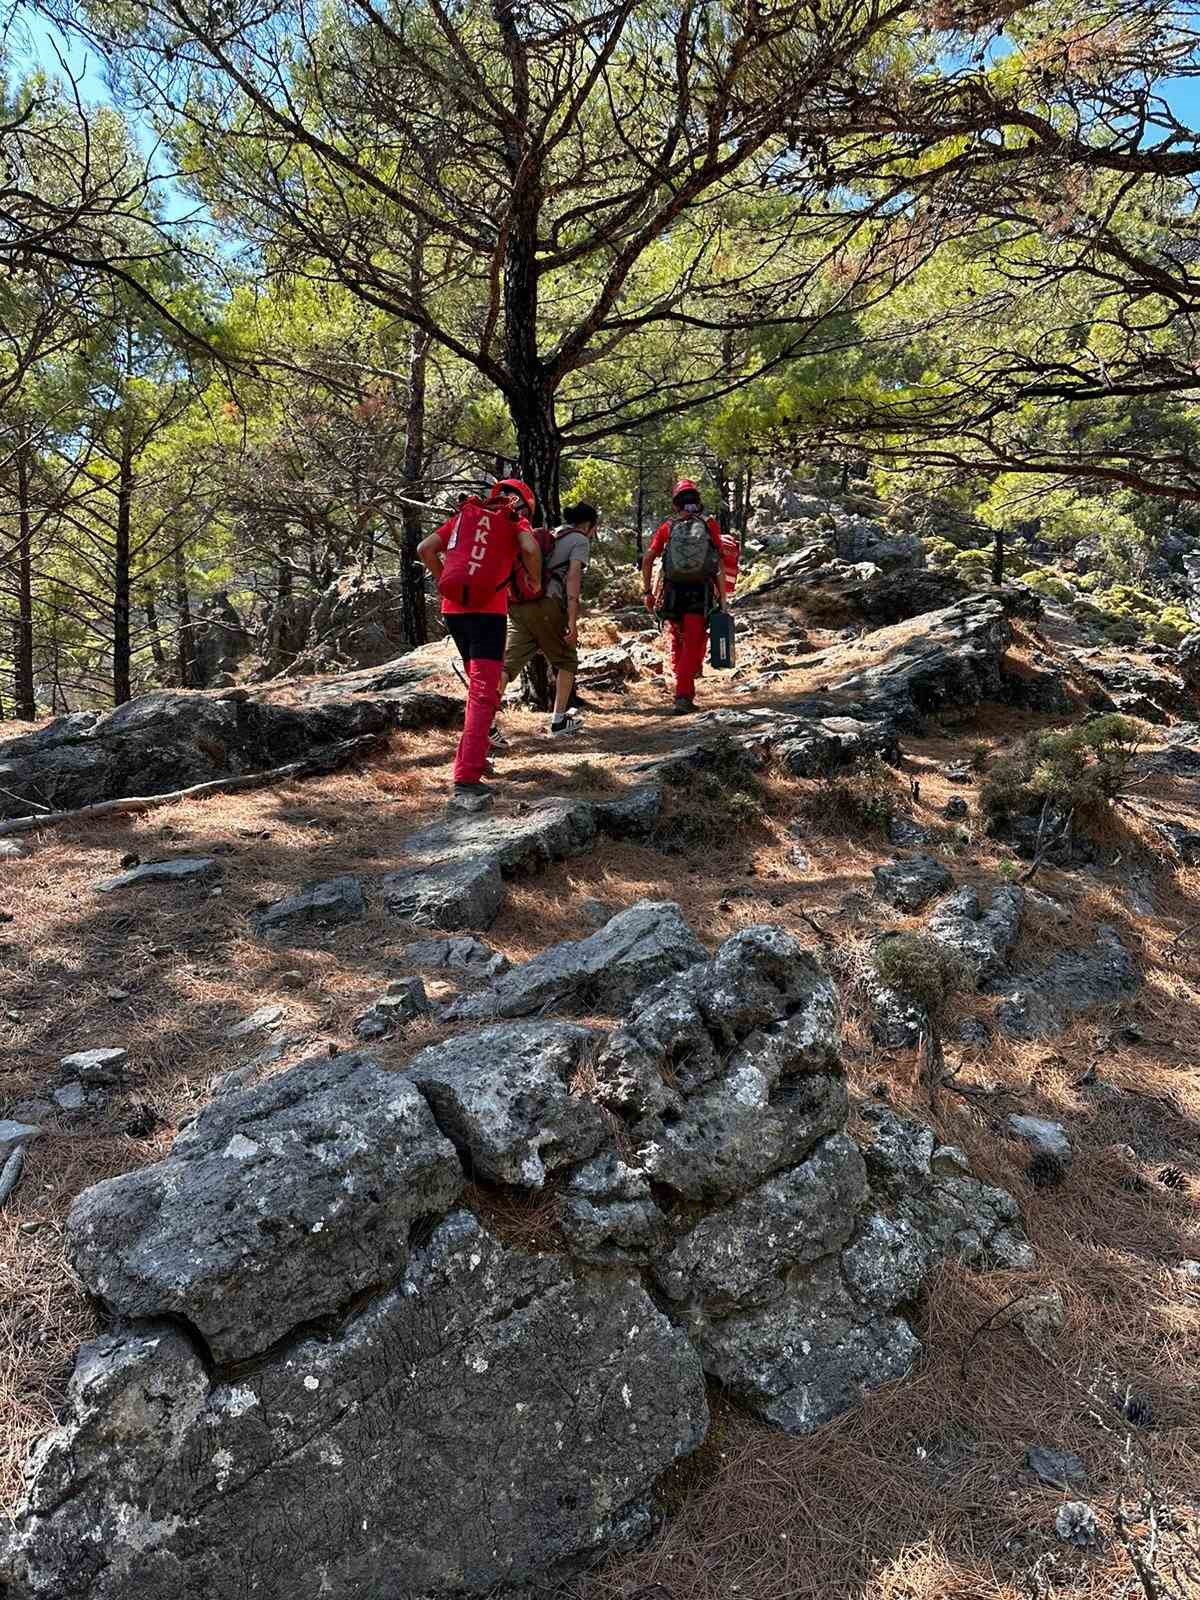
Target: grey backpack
[{"x": 690, "y": 556}]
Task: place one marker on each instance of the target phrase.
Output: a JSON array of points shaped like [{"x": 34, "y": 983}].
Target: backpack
[
  {"x": 479, "y": 554},
  {"x": 524, "y": 590},
  {"x": 690, "y": 555}
]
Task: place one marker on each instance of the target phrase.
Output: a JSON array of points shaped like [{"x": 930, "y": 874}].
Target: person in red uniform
[
  {"x": 684, "y": 606},
  {"x": 472, "y": 557}
]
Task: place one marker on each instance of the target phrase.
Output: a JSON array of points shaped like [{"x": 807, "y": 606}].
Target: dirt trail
[{"x": 920, "y": 1493}]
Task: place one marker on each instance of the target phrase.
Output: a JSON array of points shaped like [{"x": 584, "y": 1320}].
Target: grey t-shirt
[{"x": 569, "y": 545}]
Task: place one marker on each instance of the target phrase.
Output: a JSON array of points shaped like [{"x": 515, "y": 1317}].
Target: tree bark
[
  {"x": 185, "y": 642},
  {"x": 998, "y": 557},
  {"x": 412, "y": 575},
  {"x": 23, "y": 687},
  {"x": 122, "y": 690},
  {"x": 151, "y": 609}
]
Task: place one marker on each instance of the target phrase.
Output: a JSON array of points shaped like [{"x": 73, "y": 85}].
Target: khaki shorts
[{"x": 539, "y": 625}]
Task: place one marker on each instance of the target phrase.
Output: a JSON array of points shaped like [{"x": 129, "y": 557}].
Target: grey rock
[
  {"x": 458, "y": 867},
  {"x": 981, "y": 938},
  {"x": 264, "y": 1017},
  {"x": 219, "y": 641},
  {"x": 804, "y": 1359},
  {"x": 605, "y": 971},
  {"x": 1188, "y": 658},
  {"x": 275, "y": 1206},
  {"x": 887, "y": 1262},
  {"x": 595, "y": 912},
  {"x": 1139, "y": 691},
  {"x": 897, "y": 1022},
  {"x": 184, "y": 869},
  {"x": 329, "y": 904},
  {"x": 15, "y": 1136},
  {"x": 633, "y": 815},
  {"x": 70, "y": 1097},
  {"x": 1075, "y": 1523},
  {"x": 102, "y": 1065},
  {"x": 906, "y": 833},
  {"x": 608, "y": 1214},
  {"x": 504, "y": 1096},
  {"x": 973, "y": 1031},
  {"x": 907, "y": 885},
  {"x": 491, "y": 1421},
  {"x": 447, "y": 894},
  {"x": 1044, "y": 1138},
  {"x": 1182, "y": 842},
  {"x": 917, "y": 1181},
  {"x": 173, "y": 738},
  {"x": 464, "y": 954},
  {"x": 1040, "y": 1003},
  {"x": 13, "y": 850},
  {"x": 1058, "y": 1469},
  {"x": 403, "y": 1003},
  {"x": 740, "y": 1255},
  {"x": 956, "y": 809}
]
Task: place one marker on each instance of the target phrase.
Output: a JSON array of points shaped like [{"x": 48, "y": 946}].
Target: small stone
[
  {"x": 1045, "y": 1138},
  {"x": 95, "y": 1066},
  {"x": 322, "y": 905},
  {"x": 116, "y": 995},
  {"x": 182, "y": 870},
  {"x": 1059, "y": 1469},
  {"x": 30, "y": 1227},
  {"x": 1041, "y": 1316},
  {"x": 130, "y": 859},
  {"x": 264, "y": 1017},
  {"x": 12, "y": 850},
  {"x": 1075, "y": 1523},
  {"x": 292, "y": 979},
  {"x": 595, "y": 912},
  {"x": 956, "y": 810},
  {"x": 69, "y": 1098},
  {"x": 1189, "y": 1270},
  {"x": 907, "y": 885}
]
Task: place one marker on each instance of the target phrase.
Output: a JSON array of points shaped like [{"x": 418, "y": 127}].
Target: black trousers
[{"x": 479, "y": 635}]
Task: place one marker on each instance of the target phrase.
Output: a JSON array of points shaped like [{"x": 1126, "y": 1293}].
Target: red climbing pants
[
  {"x": 688, "y": 637},
  {"x": 480, "y": 637}
]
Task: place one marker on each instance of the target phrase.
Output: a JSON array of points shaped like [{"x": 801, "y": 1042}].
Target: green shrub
[
  {"x": 1048, "y": 585},
  {"x": 973, "y": 566},
  {"x": 1173, "y": 623},
  {"x": 1082, "y": 769},
  {"x": 939, "y": 552},
  {"x": 920, "y": 969},
  {"x": 721, "y": 795},
  {"x": 1088, "y": 582}
]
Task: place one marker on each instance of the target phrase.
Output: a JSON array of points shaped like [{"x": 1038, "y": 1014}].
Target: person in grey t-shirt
[{"x": 551, "y": 624}]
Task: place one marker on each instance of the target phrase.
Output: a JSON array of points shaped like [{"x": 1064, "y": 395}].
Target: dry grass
[{"x": 919, "y": 1494}]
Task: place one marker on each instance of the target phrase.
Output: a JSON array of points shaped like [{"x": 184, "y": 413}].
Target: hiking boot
[
  {"x": 472, "y": 796},
  {"x": 683, "y": 705},
  {"x": 561, "y": 727}
]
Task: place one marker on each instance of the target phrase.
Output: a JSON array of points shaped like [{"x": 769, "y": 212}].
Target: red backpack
[
  {"x": 480, "y": 553},
  {"x": 524, "y": 590}
]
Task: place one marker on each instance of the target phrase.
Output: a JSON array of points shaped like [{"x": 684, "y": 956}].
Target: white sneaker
[{"x": 561, "y": 727}]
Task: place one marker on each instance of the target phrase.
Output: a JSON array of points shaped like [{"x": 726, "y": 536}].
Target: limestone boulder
[
  {"x": 492, "y": 1420},
  {"x": 277, "y": 1205}
]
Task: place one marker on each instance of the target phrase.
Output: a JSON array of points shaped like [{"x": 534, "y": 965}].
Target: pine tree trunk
[
  {"x": 122, "y": 690},
  {"x": 998, "y": 558},
  {"x": 156, "y": 649},
  {"x": 412, "y": 576},
  {"x": 23, "y": 687},
  {"x": 185, "y": 646}
]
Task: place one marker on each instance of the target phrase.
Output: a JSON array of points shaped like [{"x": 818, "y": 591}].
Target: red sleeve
[
  {"x": 714, "y": 531},
  {"x": 442, "y": 534},
  {"x": 661, "y": 534}
]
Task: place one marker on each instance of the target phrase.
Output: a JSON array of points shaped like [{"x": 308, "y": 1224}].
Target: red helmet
[
  {"x": 515, "y": 486},
  {"x": 684, "y": 486}
]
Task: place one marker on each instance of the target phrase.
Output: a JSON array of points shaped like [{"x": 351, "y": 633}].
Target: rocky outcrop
[
  {"x": 220, "y": 643},
  {"x": 175, "y": 738},
  {"x": 358, "y": 621},
  {"x": 1037, "y": 1004},
  {"x": 982, "y": 939},
  {"x": 491, "y": 1419},
  {"x": 458, "y": 867},
  {"x": 603, "y": 972},
  {"x": 908, "y": 884},
  {"x": 316, "y": 1354},
  {"x": 278, "y": 1204}
]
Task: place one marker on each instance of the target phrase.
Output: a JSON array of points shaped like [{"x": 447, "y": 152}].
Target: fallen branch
[
  {"x": 10, "y": 1177},
  {"x": 327, "y": 760},
  {"x": 1042, "y": 849}
]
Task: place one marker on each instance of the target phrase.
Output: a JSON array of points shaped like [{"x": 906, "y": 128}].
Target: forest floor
[{"x": 922, "y": 1491}]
